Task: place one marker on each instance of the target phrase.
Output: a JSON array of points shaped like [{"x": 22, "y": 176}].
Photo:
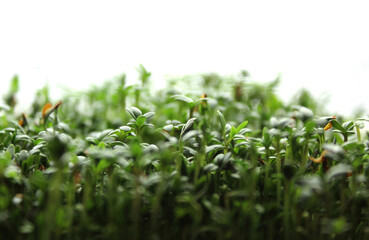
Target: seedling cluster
[{"x": 124, "y": 162}]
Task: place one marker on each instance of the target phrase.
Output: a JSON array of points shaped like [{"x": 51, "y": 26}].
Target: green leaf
[
  {"x": 101, "y": 145},
  {"x": 11, "y": 149},
  {"x": 125, "y": 128},
  {"x": 349, "y": 125},
  {"x": 9, "y": 129},
  {"x": 338, "y": 126},
  {"x": 25, "y": 138},
  {"x": 218, "y": 159},
  {"x": 182, "y": 98},
  {"x": 309, "y": 127},
  {"x": 102, "y": 165},
  {"x": 22, "y": 155},
  {"x": 140, "y": 121},
  {"x": 210, "y": 167},
  {"x": 213, "y": 147},
  {"x": 187, "y": 126},
  {"x": 190, "y": 134},
  {"x": 221, "y": 120},
  {"x": 338, "y": 170},
  {"x": 168, "y": 128},
  {"x": 135, "y": 112},
  {"x": 200, "y": 100},
  {"x": 92, "y": 140},
  {"x": 222, "y": 159},
  {"x": 149, "y": 115},
  {"x": 233, "y": 131},
  {"x": 241, "y": 126},
  {"x": 190, "y": 151}
]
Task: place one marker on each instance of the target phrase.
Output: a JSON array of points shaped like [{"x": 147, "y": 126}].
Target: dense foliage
[{"x": 222, "y": 158}]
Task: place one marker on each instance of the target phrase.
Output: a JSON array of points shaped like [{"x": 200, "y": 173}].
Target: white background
[{"x": 320, "y": 45}]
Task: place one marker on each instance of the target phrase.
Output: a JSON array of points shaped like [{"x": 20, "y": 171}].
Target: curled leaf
[
  {"x": 320, "y": 159},
  {"x": 328, "y": 126},
  {"x": 49, "y": 108},
  {"x": 46, "y": 109},
  {"x": 23, "y": 121}
]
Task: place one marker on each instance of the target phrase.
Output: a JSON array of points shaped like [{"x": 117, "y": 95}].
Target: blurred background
[{"x": 321, "y": 46}]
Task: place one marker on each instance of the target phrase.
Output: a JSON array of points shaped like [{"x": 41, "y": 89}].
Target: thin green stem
[
  {"x": 358, "y": 133},
  {"x": 286, "y": 211},
  {"x": 279, "y": 169}
]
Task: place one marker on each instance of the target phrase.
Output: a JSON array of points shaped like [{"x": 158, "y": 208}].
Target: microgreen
[{"x": 122, "y": 161}]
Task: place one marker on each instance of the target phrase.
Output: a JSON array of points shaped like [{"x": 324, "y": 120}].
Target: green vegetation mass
[{"x": 221, "y": 158}]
